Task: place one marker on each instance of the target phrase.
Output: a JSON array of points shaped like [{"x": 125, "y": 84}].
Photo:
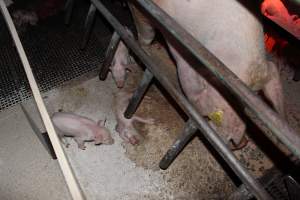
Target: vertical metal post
[
  {"x": 138, "y": 94},
  {"x": 109, "y": 55},
  {"x": 88, "y": 25},
  {"x": 188, "y": 132},
  {"x": 297, "y": 74},
  {"x": 68, "y": 11}
]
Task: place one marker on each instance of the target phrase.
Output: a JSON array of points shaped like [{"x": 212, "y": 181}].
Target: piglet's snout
[
  {"x": 103, "y": 136},
  {"x": 107, "y": 141}
]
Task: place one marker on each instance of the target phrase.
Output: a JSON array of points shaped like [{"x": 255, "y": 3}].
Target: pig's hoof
[
  {"x": 133, "y": 140},
  {"x": 243, "y": 143},
  {"x": 82, "y": 147},
  {"x": 151, "y": 121}
]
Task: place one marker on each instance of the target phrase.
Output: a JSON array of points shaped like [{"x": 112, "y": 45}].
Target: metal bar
[
  {"x": 293, "y": 188},
  {"x": 187, "y": 133},
  {"x": 88, "y": 25},
  {"x": 270, "y": 119},
  {"x": 157, "y": 70},
  {"x": 68, "y": 11},
  {"x": 67, "y": 171},
  {"x": 297, "y": 2},
  {"x": 109, "y": 55},
  {"x": 297, "y": 74},
  {"x": 41, "y": 136},
  {"x": 138, "y": 94}
]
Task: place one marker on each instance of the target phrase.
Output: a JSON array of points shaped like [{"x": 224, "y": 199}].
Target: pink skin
[
  {"x": 82, "y": 129},
  {"x": 120, "y": 65},
  {"x": 242, "y": 50},
  {"x": 125, "y": 126}
]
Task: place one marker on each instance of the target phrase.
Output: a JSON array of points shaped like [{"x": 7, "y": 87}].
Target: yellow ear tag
[{"x": 216, "y": 117}]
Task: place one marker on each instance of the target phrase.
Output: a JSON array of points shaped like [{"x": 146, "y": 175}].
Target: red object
[
  {"x": 274, "y": 43},
  {"x": 276, "y": 11},
  {"x": 49, "y": 8}
]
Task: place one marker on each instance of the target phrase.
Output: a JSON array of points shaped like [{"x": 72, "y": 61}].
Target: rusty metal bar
[
  {"x": 157, "y": 70},
  {"x": 188, "y": 132},
  {"x": 109, "y": 55},
  {"x": 68, "y": 11},
  {"x": 138, "y": 94},
  {"x": 262, "y": 111}
]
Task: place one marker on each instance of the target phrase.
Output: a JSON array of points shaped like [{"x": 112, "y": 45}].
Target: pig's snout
[
  {"x": 108, "y": 141},
  {"x": 103, "y": 137},
  {"x": 120, "y": 83}
]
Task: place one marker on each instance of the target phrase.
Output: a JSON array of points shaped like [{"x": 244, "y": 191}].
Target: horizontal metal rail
[
  {"x": 278, "y": 126},
  {"x": 153, "y": 65}
]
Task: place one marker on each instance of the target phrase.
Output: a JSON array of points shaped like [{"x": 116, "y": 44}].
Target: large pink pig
[{"x": 235, "y": 35}]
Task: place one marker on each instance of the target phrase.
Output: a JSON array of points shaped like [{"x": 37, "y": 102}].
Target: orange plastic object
[{"x": 276, "y": 11}]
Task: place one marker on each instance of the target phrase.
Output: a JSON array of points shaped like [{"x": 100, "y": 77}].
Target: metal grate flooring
[{"x": 53, "y": 52}]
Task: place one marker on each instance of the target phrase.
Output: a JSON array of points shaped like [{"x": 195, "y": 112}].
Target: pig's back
[
  {"x": 71, "y": 124},
  {"x": 227, "y": 29}
]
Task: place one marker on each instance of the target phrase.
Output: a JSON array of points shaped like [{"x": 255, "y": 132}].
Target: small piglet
[
  {"x": 82, "y": 129},
  {"x": 125, "y": 126},
  {"x": 121, "y": 63}
]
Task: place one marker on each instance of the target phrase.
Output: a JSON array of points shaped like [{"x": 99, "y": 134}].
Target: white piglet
[
  {"x": 121, "y": 64},
  {"x": 82, "y": 129},
  {"x": 124, "y": 126}
]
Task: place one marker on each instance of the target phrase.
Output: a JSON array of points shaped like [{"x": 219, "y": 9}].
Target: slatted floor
[{"x": 53, "y": 52}]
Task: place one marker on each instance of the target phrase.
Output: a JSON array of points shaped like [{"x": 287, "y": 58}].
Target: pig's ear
[
  {"x": 131, "y": 67},
  {"x": 101, "y": 122}
]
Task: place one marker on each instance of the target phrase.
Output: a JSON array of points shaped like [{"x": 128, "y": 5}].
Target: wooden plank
[{"x": 67, "y": 171}]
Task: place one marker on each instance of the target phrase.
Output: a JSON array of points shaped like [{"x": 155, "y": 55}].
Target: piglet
[
  {"x": 82, "y": 129},
  {"x": 121, "y": 63},
  {"x": 125, "y": 126}
]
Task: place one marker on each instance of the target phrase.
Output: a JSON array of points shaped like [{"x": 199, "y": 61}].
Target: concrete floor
[
  {"x": 26, "y": 169},
  {"x": 118, "y": 171}
]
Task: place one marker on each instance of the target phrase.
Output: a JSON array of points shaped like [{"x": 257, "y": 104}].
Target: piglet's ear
[
  {"x": 101, "y": 122},
  {"x": 131, "y": 67}
]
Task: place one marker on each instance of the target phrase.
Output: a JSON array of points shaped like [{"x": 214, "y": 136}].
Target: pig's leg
[
  {"x": 146, "y": 32},
  {"x": 80, "y": 143},
  {"x": 64, "y": 142},
  {"x": 124, "y": 136},
  {"x": 128, "y": 135},
  {"x": 142, "y": 120},
  {"x": 236, "y": 139},
  {"x": 273, "y": 90},
  {"x": 123, "y": 130},
  {"x": 63, "y": 139}
]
